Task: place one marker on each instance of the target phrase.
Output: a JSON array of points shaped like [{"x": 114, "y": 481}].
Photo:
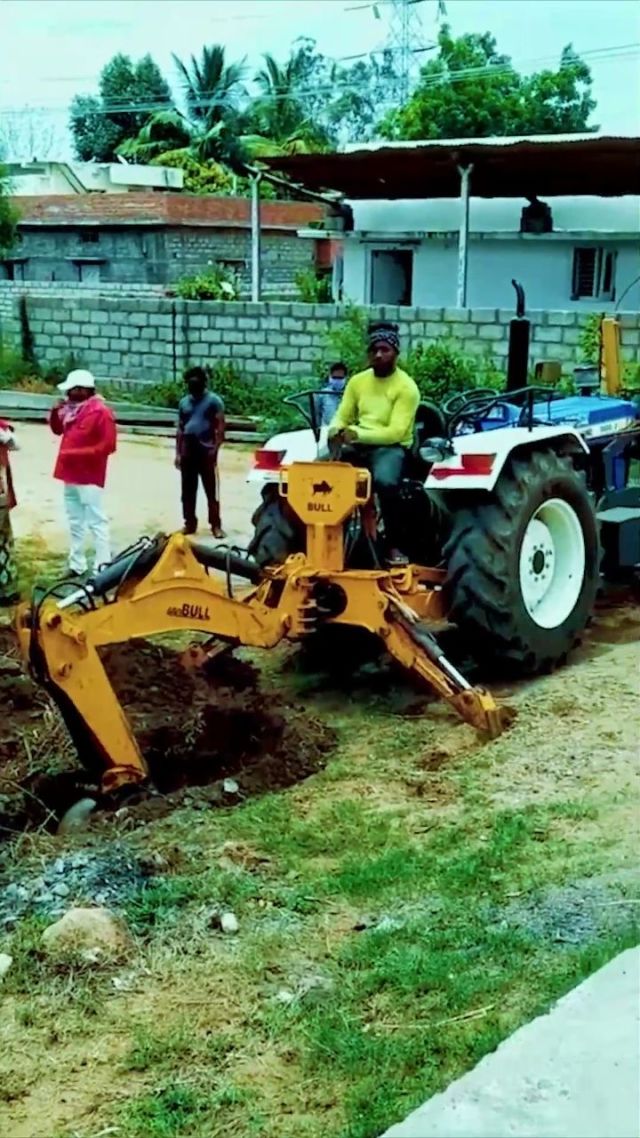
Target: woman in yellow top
[{"x": 376, "y": 418}]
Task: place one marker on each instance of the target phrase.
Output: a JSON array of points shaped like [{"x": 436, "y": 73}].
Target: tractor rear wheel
[
  {"x": 275, "y": 533},
  {"x": 523, "y": 566}
]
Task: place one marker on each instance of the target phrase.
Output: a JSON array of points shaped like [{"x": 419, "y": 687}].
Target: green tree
[
  {"x": 472, "y": 90},
  {"x": 100, "y": 124},
  {"x": 210, "y": 130},
  {"x": 8, "y": 215},
  {"x": 199, "y": 177}
]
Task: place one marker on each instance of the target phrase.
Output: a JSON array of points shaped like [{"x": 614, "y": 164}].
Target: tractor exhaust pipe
[{"x": 519, "y": 333}]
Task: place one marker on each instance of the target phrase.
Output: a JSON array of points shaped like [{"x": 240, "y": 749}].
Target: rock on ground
[{"x": 93, "y": 933}]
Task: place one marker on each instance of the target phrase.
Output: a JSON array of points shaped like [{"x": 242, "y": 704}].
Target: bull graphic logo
[{"x": 322, "y": 488}]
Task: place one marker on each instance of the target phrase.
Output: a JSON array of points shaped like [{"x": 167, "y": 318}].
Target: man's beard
[{"x": 383, "y": 370}]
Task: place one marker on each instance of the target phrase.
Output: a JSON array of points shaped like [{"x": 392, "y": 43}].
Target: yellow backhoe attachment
[{"x": 163, "y": 585}]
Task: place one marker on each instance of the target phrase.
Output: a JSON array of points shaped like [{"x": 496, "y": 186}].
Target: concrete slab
[{"x": 573, "y": 1073}]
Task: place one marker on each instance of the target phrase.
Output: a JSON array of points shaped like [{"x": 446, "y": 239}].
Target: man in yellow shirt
[{"x": 376, "y": 418}]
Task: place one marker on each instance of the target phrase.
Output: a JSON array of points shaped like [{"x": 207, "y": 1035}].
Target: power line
[
  {"x": 111, "y": 107},
  {"x": 590, "y": 52}
]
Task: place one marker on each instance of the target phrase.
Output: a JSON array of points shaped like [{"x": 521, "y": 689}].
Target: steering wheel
[
  {"x": 456, "y": 402},
  {"x": 474, "y": 411},
  {"x": 308, "y": 412}
]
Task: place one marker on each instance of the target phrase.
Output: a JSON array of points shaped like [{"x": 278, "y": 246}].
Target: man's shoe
[
  {"x": 218, "y": 533},
  {"x": 397, "y": 559},
  {"x": 190, "y": 528}
]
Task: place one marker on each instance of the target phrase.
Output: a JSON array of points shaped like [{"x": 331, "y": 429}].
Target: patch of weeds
[
  {"x": 151, "y": 1049},
  {"x": 163, "y": 903},
  {"x": 28, "y": 968},
  {"x": 168, "y": 1112},
  {"x": 332, "y": 829},
  {"x": 37, "y": 565},
  {"x": 180, "y": 1044}
]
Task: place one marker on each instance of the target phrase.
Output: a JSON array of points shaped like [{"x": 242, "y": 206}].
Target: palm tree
[
  {"x": 278, "y": 117},
  {"x": 210, "y": 129},
  {"x": 211, "y": 86}
]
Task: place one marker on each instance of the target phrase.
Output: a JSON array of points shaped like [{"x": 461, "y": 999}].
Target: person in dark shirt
[{"x": 198, "y": 440}]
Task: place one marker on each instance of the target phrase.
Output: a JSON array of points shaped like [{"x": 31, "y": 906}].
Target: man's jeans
[
  {"x": 85, "y": 511},
  {"x": 386, "y": 465}
]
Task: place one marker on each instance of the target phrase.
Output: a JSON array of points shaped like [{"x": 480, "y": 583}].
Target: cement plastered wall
[{"x": 121, "y": 335}]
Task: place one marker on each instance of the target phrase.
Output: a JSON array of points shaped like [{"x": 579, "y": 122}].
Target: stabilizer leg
[{"x": 418, "y": 651}]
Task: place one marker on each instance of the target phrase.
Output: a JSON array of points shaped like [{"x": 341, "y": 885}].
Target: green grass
[
  {"x": 37, "y": 565},
  {"x": 169, "y": 1112},
  {"x": 414, "y": 923}
]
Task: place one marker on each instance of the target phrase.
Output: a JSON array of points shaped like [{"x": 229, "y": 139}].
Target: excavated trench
[{"x": 197, "y": 728}]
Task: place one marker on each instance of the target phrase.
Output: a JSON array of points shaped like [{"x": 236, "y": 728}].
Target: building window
[
  {"x": 594, "y": 271},
  {"x": 391, "y": 276},
  {"x": 13, "y": 270},
  {"x": 89, "y": 236}
]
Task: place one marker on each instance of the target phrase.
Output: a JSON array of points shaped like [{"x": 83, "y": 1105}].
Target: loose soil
[{"x": 195, "y": 728}]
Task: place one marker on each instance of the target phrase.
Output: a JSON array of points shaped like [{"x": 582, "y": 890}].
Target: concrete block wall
[{"x": 132, "y": 337}]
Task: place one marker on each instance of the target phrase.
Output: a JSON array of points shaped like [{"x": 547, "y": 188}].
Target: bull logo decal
[{"x": 322, "y": 488}]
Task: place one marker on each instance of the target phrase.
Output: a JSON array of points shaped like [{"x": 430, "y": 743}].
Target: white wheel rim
[{"x": 552, "y": 563}]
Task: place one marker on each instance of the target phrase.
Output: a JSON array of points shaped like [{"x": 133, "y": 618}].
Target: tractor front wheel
[{"x": 523, "y": 565}]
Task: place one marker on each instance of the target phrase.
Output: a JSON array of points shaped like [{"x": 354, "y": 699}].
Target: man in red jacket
[{"x": 88, "y": 432}]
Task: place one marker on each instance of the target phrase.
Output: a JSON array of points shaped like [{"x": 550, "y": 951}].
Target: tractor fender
[
  {"x": 294, "y": 446},
  {"x": 478, "y": 459}
]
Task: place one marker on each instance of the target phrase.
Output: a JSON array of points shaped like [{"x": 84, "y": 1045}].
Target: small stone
[
  {"x": 59, "y": 865},
  {"x": 229, "y": 923},
  {"x": 284, "y": 996},
  {"x": 5, "y": 963},
  {"x": 61, "y": 890},
  {"x": 80, "y": 930},
  {"x": 230, "y": 786}
]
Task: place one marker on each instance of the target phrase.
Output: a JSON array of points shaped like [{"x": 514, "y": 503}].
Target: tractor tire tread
[{"x": 483, "y": 587}]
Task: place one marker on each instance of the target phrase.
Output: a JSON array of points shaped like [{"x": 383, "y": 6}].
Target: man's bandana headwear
[{"x": 386, "y": 334}]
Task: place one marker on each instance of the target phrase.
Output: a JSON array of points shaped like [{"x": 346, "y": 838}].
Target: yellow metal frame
[
  {"x": 178, "y": 594},
  {"x": 610, "y": 362}
]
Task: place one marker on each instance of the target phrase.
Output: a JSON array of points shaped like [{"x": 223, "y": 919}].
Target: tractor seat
[{"x": 430, "y": 423}]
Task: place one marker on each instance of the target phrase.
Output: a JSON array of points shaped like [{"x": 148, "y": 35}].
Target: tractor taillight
[
  {"x": 268, "y": 459},
  {"x": 470, "y": 465},
  {"x": 477, "y": 463}
]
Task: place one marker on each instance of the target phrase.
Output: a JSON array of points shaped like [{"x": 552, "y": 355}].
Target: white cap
[{"x": 78, "y": 378}]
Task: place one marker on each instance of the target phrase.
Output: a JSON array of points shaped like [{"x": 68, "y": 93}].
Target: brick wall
[{"x": 135, "y": 338}]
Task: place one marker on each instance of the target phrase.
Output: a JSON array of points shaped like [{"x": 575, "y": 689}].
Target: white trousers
[{"x": 85, "y": 511}]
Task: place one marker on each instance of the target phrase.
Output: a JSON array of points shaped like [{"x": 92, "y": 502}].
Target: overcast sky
[{"x": 53, "y": 49}]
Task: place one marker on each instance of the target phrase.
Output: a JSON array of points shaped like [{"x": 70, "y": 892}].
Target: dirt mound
[{"x": 195, "y": 727}]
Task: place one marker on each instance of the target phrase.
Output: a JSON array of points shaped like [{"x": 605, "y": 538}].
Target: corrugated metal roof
[{"x": 555, "y": 165}]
